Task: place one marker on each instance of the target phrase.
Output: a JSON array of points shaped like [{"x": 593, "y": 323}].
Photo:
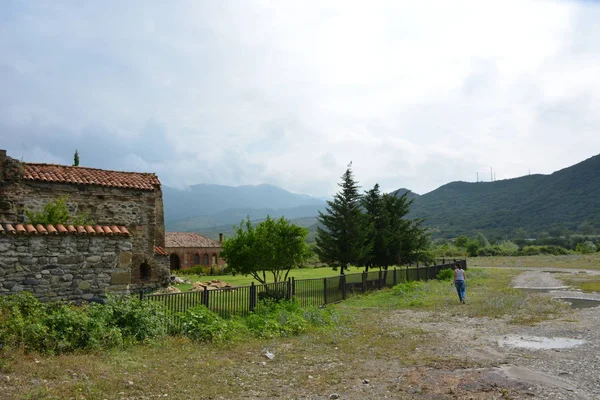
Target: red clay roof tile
[
  {"x": 188, "y": 239},
  {"x": 160, "y": 251},
  {"x": 89, "y": 176},
  {"x": 70, "y": 229}
]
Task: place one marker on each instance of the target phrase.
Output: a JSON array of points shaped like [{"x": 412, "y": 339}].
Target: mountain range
[{"x": 532, "y": 204}]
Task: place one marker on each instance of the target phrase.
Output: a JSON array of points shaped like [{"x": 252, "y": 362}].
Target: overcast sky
[{"x": 415, "y": 94}]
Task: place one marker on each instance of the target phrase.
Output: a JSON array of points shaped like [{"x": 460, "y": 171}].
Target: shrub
[
  {"x": 137, "y": 320},
  {"x": 445, "y": 275},
  {"x": 586, "y": 247},
  {"x": 199, "y": 270},
  {"x": 61, "y": 328},
  {"x": 285, "y": 318},
  {"x": 199, "y": 323}
]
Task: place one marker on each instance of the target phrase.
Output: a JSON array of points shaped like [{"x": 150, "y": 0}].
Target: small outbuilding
[{"x": 188, "y": 249}]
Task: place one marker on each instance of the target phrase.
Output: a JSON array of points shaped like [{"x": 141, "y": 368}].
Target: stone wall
[
  {"x": 139, "y": 210},
  {"x": 65, "y": 267}
]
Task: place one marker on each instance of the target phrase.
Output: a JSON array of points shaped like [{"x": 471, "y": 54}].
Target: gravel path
[{"x": 558, "y": 359}]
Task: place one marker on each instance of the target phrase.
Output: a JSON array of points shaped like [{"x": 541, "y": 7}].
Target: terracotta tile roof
[
  {"x": 160, "y": 251},
  {"x": 59, "y": 229},
  {"x": 188, "y": 239},
  {"x": 89, "y": 176}
]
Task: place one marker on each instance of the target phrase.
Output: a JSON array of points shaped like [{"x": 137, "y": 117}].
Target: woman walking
[{"x": 459, "y": 281}]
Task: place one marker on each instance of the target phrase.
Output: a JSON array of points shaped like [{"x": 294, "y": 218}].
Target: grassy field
[
  {"x": 240, "y": 280},
  {"x": 362, "y": 345},
  {"x": 572, "y": 261}
]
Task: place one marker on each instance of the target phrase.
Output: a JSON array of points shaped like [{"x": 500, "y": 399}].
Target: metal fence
[{"x": 308, "y": 292}]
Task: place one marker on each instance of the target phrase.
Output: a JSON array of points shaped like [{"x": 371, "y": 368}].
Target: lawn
[{"x": 240, "y": 280}]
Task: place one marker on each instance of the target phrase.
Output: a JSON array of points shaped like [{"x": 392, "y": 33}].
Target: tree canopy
[{"x": 272, "y": 246}]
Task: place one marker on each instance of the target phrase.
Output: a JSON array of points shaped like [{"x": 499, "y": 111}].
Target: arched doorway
[
  {"x": 145, "y": 272},
  {"x": 175, "y": 265}
]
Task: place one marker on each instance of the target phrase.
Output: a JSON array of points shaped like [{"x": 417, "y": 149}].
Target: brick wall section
[
  {"x": 66, "y": 267},
  {"x": 186, "y": 256}
]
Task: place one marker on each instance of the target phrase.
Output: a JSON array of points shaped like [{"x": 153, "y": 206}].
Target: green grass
[
  {"x": 488, "y": 295},
  {"x": 240, "y": 280}
]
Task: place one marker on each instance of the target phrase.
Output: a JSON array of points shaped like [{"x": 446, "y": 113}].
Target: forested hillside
[{"x": 567, "y": 199}]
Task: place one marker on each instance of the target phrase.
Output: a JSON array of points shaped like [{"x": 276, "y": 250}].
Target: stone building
[
  {"x": 110, "y": 198},
  {"x": 188, "y": 249}
]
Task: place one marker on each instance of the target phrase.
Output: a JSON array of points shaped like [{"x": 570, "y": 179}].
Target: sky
[{"x": 288, "y": 93}]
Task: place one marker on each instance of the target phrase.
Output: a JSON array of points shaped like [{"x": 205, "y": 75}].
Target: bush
[
  {"x": 586, "y": 247},
  {"x": 285, "y": 318},
  {"x": 537, "y": 250},
  {"x": 201, "y": 324},
  {"x": 199, "y": 270},
  {"x": 445, "y": 275},
  {"x": 61, "y": 328},
  {"x": 137, "y": 320}
]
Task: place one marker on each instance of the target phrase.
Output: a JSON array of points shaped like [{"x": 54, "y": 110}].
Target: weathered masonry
[
  {"x": 111, "y": 198},
  {"x": 65, "y": 262}
]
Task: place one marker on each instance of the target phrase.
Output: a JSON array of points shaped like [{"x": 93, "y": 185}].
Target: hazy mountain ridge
[
  {"x": 209, "y": 206},
  {"x": 536, "y": 203}
]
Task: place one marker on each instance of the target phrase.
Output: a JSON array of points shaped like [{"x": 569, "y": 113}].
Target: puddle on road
[
  {"x": 580, "y": 303},
  {"x": 539, "y": 343},
  {"x": 535, "y": 290}
]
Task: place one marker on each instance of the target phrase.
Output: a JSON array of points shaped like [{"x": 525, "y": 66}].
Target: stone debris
[
  {"x": 170, "y": 289},
  {"x": 211, "y": 285},
  {"x": 269, "y": 355}
]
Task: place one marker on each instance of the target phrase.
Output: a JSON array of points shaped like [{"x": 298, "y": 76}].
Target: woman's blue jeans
[{"x": 461, "y": 288}]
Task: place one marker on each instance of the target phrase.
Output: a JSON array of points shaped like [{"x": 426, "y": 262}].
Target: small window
[
  {"x": 197, "y": 259},
  {"x": 206, "y": 259},
  {"x": 145, "y": 272},
  {"x": 214, "y": 259}
]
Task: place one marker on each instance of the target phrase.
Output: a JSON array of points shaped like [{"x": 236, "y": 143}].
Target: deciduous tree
[{"x": 272, "y": 246}]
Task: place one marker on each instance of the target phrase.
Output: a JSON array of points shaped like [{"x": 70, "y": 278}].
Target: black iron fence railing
[{"x": 243, "y": 300}]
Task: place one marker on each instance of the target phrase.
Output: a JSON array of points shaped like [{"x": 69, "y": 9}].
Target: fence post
[
  {"x": 380, "y": 280},
  {"x": 293, "y": 287},
  {"x": 407, "y": 277},
  {"x": 395, "y": 276},
  {"x": 324, "y": 290},
  {"x": 205, "y": 297},
  {"x": 364, "y": 282},
  {"x": 252, "y": 296},
  {"x": 343, "y": 283},
  {"x": 418, "y": 274},
  {"x": 141, "y": 294},
  {"x": 288, "y": 294}
]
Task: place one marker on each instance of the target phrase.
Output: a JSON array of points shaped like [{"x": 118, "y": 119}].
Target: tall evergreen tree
[
  {"x": 342, "y": 239},
  {"x": 76, "y": 158},
  {"x": 377, "y": 228},
  {"x": 394, "y": 239}
]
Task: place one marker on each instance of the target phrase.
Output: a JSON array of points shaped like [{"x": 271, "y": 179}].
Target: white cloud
[{"x": 245, "y": 92}]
